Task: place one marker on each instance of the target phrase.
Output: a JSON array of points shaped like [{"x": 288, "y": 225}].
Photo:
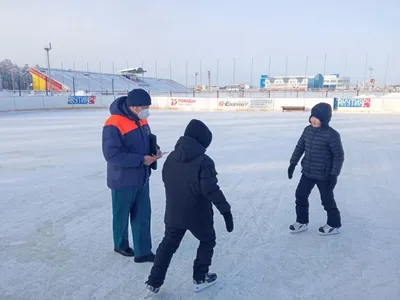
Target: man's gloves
[
  {"x": 228, "y": 221},
  {"x": 291, "y": 170}
]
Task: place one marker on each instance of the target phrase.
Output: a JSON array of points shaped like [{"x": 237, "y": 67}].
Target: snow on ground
[{"x": 55, "y": 211}]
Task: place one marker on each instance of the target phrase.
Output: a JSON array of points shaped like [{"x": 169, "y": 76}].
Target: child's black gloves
[
  {"x": 228, "y": 221},
  {"x": 291, "y": 170},
  {"x": 332, "y": 180}
]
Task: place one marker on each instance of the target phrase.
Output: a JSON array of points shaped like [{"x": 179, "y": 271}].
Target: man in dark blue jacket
[{"x": 127, "y": 149}]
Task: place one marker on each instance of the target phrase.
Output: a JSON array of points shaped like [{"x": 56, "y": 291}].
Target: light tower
[
  {"x": 371, "y": 81},
  {"x": 47, "y": 49},
  {"x": 195, "y": 79}
]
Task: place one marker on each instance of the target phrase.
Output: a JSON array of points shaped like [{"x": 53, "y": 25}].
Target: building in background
[
  {"x": 299, "y": 83},
  {"x": 304, "y": 83},
  {"x": 335, "y": 82}
]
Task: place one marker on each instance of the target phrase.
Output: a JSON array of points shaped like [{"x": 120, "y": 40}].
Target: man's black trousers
[
  {"x": 303, "y": 191},
  {"x": 169, "y": 245}
]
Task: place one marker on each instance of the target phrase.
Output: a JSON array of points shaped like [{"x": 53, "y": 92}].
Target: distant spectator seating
[{"x": 104, "y": 82}]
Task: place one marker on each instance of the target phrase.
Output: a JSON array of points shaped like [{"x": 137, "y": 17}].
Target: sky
[{"x": 224, "y": 37}]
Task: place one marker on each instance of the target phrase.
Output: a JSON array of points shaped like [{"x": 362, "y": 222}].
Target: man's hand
[{"x": 148, "y": 160}]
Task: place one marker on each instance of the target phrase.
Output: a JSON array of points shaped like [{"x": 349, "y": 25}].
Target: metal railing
[{"x": 208, "y": 94}]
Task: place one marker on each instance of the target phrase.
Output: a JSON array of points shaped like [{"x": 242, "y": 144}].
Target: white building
[
  {"x": 334, "y": 82},
  {"x": 303, "y": 83},
  {"x": 300, "y": 83}
]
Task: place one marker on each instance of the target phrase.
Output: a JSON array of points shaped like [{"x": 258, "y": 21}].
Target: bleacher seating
[{"x": 102, "y": 82}]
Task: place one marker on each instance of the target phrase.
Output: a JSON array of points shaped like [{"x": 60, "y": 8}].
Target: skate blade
[
  {"x": 200, "y": 287},
  {"x": 329, "y": 233},
  {"x": 298, "y": 231},
  {"x": 148, "y": 295}
]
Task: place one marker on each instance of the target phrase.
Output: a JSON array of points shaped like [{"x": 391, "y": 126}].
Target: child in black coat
[
  {"x": 321, "y": 166},
  {"x": 191, "y": 188}
]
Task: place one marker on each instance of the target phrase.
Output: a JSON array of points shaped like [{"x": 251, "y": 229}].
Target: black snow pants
[
  {"x": 169, "y": 245},
  {"x": 303, "y": 191}
]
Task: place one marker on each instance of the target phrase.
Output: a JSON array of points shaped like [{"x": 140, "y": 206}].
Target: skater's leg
[
  {"x": 166, "y": 249},
  {"x": 121, "y": 205},
  {"x": 303, "y": 191},
  {"x": 205, "y": 251},
  {"x": 140, "y": 222},
  {"x": 329, "y": 204}
]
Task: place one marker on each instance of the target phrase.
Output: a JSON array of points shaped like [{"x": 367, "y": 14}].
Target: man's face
[
  {"x": 316, "y": 123},
  {"x": 137, "y": 109}
]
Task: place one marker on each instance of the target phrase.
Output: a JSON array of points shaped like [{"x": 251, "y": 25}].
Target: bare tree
[{"x": 13, "y": 77}]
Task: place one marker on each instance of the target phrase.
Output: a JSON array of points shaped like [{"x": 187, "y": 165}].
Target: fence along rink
[
  {"x": 363, "y": 103},
  {"x": 389, "y": 103},
  {"x": 213, "y": 104},
  {"x": 232, "y": 104}
]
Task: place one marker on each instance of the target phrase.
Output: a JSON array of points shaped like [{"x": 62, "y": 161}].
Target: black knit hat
[
  {"x": 199, "y": 131},
  {"x": 138, "y": 97},
  {"x": 323, "y": 112}
]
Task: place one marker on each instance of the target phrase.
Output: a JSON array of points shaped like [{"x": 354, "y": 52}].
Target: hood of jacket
[
  {"x": 187, "y": 149},
  {"x": 120, "y": 107},
  {"x": 323, "y": 112}
]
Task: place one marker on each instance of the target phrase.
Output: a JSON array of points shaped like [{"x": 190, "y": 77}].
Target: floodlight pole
[{"x": 47, "y": 49}]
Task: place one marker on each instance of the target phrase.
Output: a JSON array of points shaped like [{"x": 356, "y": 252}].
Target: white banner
[
  {"x": 233, "y": 104},
  {"x": 183, "y": 103},
  {"x": 262, "y": 104}
]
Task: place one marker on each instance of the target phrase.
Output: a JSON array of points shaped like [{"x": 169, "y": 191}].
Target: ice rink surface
[{"x": 55, "y": 211}]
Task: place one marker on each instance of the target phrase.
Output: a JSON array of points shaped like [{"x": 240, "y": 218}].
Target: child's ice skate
[
  {"x": 150, "y": 291},
  {"x": 328, "y": 230},
  {"x": 208, "y": 281},
  {"x": 298, "y": 227}
]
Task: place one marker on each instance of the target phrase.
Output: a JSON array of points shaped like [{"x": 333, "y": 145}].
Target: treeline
[{"x": 13, "y": 77}]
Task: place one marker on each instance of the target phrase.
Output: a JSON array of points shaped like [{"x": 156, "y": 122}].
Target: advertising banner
[
  {"x": 234, "y": 104},
  {"x": 188, "y": 103},
  {"x": 81, "y": 100},
  {"x": 262, "y": 104},
  {"x": 160, "y": 102},
  {"x": 354, "y": 102}
]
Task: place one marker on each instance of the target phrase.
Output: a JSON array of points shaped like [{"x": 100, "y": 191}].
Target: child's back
[
  {"x": 191, "y": 187},
  {"x": 190, "y": 181}
]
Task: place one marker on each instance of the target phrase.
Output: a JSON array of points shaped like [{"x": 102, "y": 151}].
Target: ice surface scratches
[{"x": 55, "y": 211}]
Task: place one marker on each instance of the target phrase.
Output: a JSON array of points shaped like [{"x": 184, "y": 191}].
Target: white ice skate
[
  {"x": 328, "y": 230},
  {"x": 298, "y": 227},
  {"x": 150, "y": 292},
  {"x": 209, "y": 280}
]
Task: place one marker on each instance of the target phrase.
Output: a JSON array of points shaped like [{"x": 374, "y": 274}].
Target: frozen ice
[{"x": 55, "y": 211}]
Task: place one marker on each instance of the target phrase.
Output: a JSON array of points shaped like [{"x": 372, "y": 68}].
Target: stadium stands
[{"x": 103, "y": 82}]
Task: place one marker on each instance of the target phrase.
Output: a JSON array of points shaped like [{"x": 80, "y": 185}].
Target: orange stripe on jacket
[
  {"x": 123, "y": 124},
  {"x": 143, "y": 122}
]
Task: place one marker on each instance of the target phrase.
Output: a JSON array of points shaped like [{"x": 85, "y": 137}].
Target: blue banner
[
  {"x": 335, "y": 103},
  {"x": 354, "y": 102},
  {"x": 81, "y": 99}
]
